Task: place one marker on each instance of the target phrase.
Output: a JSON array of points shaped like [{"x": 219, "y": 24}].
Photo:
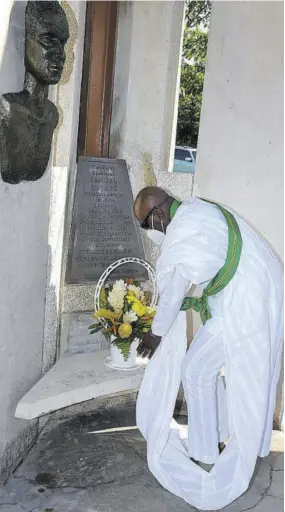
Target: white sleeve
[{"x": 170, "y": 302}]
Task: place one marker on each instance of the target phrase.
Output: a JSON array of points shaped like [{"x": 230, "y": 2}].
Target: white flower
[
  {"x": 120, "y": 286},
  {"x": 130, "y": 317},
  {"x": 116, "y": 295},
  {"x": 137, "y": 291}
]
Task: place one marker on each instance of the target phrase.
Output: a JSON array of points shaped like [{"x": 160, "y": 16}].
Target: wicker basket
[
  {"x": 111, "y": 269},
  {"x": 118, "y": 361}
]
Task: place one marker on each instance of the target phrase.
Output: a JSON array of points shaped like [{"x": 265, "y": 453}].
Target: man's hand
[{"x": 149, "y": 345}]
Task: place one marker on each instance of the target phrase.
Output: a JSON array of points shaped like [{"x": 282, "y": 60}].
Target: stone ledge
[{"x": 75, "y": 379}]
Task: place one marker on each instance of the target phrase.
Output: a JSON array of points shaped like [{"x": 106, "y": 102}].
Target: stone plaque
[{"x": 103, "y": 226}]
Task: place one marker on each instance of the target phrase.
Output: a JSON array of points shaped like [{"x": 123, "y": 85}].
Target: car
[{"x": 184, "y": 159}]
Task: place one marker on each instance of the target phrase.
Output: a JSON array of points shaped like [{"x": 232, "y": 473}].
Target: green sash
[{"x": 225, "y": 274}]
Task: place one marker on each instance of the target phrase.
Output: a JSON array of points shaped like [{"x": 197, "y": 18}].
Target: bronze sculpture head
[
  {"x": 46, "y": 35},
  {"x": 28, "y": 118}
]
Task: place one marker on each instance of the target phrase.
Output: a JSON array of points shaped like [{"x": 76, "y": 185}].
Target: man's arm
[{"x": 169, "y": 305}]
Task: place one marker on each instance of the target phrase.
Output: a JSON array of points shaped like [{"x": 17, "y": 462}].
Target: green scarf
[{"x": 225, "y": 274}]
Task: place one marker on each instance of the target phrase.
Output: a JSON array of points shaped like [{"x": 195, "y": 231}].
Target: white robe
[{"x": 249, "y": 315}]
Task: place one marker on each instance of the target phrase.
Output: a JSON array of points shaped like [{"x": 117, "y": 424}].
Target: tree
[
  {"x": 197, "y": 13},
  {"x": 194, "y": 53}
]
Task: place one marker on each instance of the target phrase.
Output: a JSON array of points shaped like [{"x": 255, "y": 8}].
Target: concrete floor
[{"x": 97, "y": 463}]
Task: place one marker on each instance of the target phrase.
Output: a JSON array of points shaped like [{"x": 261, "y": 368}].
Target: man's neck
[{"x": 36, "y": 90}]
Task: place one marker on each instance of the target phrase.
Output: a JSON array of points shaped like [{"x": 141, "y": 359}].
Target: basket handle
[{"x": 114, "y": 266}]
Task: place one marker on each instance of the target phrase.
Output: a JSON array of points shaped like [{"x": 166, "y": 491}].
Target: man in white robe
[{"x": 242, "y": 333}]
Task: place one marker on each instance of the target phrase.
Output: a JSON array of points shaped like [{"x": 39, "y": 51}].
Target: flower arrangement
[{"x": 125, "y": 313}]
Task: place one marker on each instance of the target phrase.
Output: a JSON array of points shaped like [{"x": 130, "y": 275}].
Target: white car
[{"x": 184, "y": 159}]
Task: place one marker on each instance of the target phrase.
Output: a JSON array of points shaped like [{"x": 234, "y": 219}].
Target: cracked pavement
[{"x": 97, "y": 463}]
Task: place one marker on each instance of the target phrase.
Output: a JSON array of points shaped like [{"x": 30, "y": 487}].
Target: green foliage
[
  {"x": 95, "y": 328},
  {"x": 195, "y": 47},
  {"x": 124, "y": 346},
  {"x": 197, "y": 12},
  {"x": 139, "y": 329},
  {"x": 192, "y": 71}
]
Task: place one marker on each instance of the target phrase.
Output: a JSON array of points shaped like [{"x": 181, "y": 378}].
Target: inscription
[{"x": 103, "y": 226}]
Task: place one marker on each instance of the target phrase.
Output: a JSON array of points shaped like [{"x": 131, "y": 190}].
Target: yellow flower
[
  {"x": 150, "y": 311},
  {"x": 130, "y": 296},
  {"x": 139, "y": 308},
  {"x": 107, "y": 315},
  {"x": 137, "y": 291},
  {"x": 125, "y": 330}
]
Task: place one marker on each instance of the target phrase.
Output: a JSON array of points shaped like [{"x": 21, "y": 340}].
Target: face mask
[{"x": 157, "y": 237}]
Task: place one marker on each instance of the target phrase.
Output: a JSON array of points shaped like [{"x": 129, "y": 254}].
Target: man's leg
[{"x": 201, "y": 372}]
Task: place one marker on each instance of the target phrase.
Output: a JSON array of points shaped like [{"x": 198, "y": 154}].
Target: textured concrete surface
[
  {"x": 97, "y": 463},
  {"x": 24, "y": 213},
  {"x": 75, "y": 337},
  {"x": 74, "y": 379}
]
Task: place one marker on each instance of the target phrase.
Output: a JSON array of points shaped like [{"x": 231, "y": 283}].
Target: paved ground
[{"x": 77, "y": 467}]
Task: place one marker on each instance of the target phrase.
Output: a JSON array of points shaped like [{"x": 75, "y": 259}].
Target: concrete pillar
[{"x": 240, "y": 151}]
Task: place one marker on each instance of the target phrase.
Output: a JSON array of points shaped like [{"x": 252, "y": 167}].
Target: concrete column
[
  {"x": 240, "y": 158},
  {"x": 241, "y": 142}
]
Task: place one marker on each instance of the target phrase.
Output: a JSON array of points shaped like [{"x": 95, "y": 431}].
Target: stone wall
[
  {"x": 32, "y": 231},
  {"x": 24, "y": 214},
  {"x": 143, "y": 126}
]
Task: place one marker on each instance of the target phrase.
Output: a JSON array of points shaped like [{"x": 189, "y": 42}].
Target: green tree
[
  {"x": 197, "y": 13},
  {"x": 194, "y": 55}
]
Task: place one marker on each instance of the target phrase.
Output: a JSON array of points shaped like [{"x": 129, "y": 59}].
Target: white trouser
[{"x": 205, "y": 395}]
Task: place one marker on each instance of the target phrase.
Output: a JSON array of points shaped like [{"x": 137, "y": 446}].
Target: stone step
[{"x": 74, "y": 379}]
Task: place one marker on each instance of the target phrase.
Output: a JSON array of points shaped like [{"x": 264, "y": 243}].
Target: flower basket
[{"x": 124, "y": 311}]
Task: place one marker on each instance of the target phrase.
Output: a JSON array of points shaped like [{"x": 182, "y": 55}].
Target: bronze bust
[{"x": 28, "y": 118}]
